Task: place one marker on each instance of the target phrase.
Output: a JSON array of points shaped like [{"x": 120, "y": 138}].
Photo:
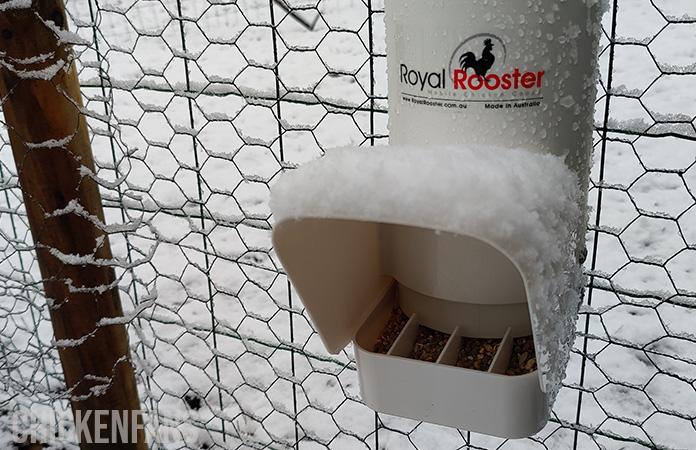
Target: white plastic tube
[{"x": 512, "y": 73}]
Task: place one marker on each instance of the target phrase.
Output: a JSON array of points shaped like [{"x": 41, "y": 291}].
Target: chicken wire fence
[{"x": 196, "y": 107}]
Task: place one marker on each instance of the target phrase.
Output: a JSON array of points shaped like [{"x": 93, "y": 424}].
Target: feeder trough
[{"x": 486, "y": 252}]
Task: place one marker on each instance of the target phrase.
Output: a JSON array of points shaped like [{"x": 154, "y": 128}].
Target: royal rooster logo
[{"x": 481, "y": 65}]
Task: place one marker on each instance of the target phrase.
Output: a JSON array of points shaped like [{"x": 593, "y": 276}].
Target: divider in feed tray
[
  {"x": 502, "y": 357},
  {"x": 451, "y": 351},
  {"x": 404, "y": 342}
]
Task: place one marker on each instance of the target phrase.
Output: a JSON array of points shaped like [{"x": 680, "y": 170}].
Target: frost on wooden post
[
  {"x": 42, "y": 105},
  {"x": 46, "y": 73},
  {"x": 15, "y": 4}
]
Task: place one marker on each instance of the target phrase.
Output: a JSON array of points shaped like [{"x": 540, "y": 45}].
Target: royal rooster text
[{"x": 463, "y": 80}]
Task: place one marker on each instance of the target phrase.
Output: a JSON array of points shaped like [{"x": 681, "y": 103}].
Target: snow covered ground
[{"x": 225, "y": 354}]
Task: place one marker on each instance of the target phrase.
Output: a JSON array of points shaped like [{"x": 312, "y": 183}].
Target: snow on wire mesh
[{"x": 195, "y": 107}]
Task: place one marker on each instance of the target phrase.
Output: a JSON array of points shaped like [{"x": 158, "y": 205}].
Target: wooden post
[{"x": 41, "y": 102}]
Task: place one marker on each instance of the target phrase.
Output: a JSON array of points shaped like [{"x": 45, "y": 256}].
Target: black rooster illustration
[{"x": 480, "y": 66}]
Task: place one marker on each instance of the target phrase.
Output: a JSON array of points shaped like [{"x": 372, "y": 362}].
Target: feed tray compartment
[{"x": 411, "y": 370}]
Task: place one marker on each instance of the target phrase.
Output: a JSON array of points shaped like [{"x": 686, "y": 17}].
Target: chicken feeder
[{"x": 452, "y": 257}]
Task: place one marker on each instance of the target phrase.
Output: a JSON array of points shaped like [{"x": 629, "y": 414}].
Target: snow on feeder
[{"x": 452, "y": 258}]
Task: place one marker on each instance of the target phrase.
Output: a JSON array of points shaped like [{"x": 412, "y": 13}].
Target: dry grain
[
  {"x": 396, "y": 323},
  {"x": 523, "y": 358},
  {"x": 429, "y": 343},
  {"x": 477, "y": 353}
]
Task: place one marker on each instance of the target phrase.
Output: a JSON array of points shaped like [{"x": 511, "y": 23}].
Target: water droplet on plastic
[{"x": 567, "y": 101}]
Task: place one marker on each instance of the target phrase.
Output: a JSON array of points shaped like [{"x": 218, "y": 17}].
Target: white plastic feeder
[
  {"x": 467, "y": 242},
  {"x": 472, "y": 221}
]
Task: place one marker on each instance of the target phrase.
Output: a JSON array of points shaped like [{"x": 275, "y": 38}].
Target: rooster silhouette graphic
[{"x": 482, "y": 65}]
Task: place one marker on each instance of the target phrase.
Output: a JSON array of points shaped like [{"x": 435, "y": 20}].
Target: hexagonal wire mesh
[{"x": 195, "y": 107}]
